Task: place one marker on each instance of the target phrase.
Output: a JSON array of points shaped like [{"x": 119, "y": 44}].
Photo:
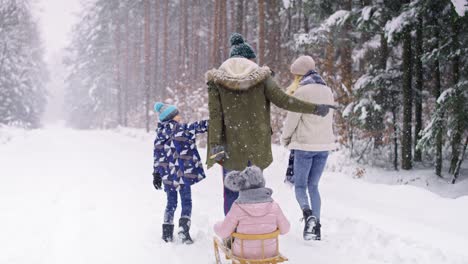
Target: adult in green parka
[{"x": 239, "y": 97}]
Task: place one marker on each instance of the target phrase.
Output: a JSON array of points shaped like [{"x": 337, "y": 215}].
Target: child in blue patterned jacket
[{"x": 177, "y": 165}]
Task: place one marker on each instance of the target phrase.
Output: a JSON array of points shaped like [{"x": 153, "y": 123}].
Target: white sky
[{"x": 56, "y": 19}]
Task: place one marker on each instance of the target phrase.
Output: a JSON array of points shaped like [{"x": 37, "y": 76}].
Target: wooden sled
[{"x": 219, "y": 245}]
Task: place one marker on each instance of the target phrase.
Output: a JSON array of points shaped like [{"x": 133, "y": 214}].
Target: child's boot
[
  {"x": 184, "y": 228},
  {"x": 168, "y": 232},
  {"x": 309, "y": 224}
]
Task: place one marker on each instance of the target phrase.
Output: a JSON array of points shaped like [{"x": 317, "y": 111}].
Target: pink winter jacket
[{"x": 254, "y": 218}]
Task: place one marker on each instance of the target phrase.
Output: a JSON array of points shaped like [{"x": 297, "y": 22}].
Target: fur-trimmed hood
[{"x": 238, "y": 74}]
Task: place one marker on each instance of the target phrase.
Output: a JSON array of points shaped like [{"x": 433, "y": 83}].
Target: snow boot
[
  {"x": 184, "y": 228},
  {"x": 316, "y": 231},
  {"x": 227, "y": 242},
  {"x": 309, "y": 224},
  {"x": 168, "y": 231}
]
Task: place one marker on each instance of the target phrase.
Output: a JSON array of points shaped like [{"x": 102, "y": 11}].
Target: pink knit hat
[{"x": 302, "y": 65}]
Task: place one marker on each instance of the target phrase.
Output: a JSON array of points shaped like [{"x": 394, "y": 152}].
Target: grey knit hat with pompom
[
  {"x": 240, "y": 48},
  {"x": 250, "y": 178}
]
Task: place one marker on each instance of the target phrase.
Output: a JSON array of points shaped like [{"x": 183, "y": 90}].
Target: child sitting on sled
[
  {"x": 254, "y": 212},
  {"x": 177, "y": 165}
]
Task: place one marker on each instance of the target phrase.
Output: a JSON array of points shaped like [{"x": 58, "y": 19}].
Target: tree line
[
  {"x": 397, "y": 68},
  {"x": 23, "y": 73}
]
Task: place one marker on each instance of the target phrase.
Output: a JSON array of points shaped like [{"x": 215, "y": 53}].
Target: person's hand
[
  {"x": 285, "y": 142},
  {"x": 218, "y": 153},
  {"x": 157, "y": 181},
  {"x": 323, "y": 109}
]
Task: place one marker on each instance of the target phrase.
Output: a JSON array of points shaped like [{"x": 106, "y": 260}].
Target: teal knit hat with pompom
[
  {"x": 240, "y": 48},
  {"x": 166, "y": 112}
]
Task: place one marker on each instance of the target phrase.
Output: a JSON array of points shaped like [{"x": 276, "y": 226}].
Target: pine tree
[{"x": 22, "y": 70}]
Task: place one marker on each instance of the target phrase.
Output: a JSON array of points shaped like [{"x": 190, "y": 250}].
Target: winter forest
[
  {"x": 397, "y": 68},
  {"x": 398, "y": 71}
]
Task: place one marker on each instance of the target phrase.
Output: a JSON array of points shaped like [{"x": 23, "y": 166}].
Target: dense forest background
[
  {"x": 398, "y": 69},
  {"x": 23, "y": 73}
]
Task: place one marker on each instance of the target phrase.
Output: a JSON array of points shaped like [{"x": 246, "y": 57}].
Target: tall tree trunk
[
  {"x": 406, "y": 145},
  {"x": 147, "y": 74},
  {"x": 195, "y": 47},
  {"x": 247, "y": 17},
  {"x": 275, "y": 45},
  {"x": 156, "y": 81},
  {"x": 179, "y": 40},
  {"x": 184, "y": 40},
  {"x": 395, "y": 136},
  {"x": 232, "y": 8},
  {"x": 440, "y": 129},
  {"x": 118, "y": 69},
  {"x": 215, "y": 48},
  {"x": 223, "y": 39},
  {"x": 239, "y": 16},
  {"x": 127, "y": 68},
  {"x": 418, "y": 89},
  {"x": 346, "y": 55},
  {"x": 305, "y": 20},
  {"x": 261, "y": 32},
  {"x": 166, "y": 45},
  {"x": 459, "y": 96},
  {"x": 458, "y": 167},
  {"x": 137, "y": 66}
]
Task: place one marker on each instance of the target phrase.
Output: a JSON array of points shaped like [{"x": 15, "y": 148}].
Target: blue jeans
[
  {"x": 308, "y": 168},
  {"x": 186, "y": 200},
  {"x": 229, "y": 196}
]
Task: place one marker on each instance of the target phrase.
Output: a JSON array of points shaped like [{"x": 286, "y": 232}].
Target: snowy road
[{"x": 86, "y": 197}]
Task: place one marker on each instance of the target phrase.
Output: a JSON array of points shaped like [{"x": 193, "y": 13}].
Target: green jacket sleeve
[
  {"x": 274, "y": 93},
  {"x": 215, "y": 129}
]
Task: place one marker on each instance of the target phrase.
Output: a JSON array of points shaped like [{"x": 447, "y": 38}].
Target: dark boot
[
  {"x": 317, "y": 233},
  {"x": 228, "y": 242},
  {"x": 168, "y": 232},
  {"x": 309, "y": 223},
  {"x": 184, "y": 228}
]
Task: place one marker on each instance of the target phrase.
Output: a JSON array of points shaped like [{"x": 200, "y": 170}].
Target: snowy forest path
[{"x": 72, "y": 196}]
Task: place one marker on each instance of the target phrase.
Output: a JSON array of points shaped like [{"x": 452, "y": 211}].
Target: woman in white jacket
[{"x": 309, "y": 138}]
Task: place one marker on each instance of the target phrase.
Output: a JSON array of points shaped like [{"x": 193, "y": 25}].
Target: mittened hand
[
  {"x": 157, "y": 181},
  {"x": 218, "y": 153},
  {"x": 322, "y": 109}
]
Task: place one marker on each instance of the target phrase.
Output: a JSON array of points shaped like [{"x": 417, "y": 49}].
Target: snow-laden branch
[{"x": 399, "y": 23}]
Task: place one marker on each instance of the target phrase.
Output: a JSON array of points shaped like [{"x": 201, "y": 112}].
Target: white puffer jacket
[{"x": 310, "y": 132}]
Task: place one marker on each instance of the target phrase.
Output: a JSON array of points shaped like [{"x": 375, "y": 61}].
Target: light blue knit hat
[{"x": 166, "y": 112}]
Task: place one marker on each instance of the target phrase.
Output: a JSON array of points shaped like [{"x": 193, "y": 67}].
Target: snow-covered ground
[
  {"x": 86, "y": 197},
  {"x": 422, "y": 175}
]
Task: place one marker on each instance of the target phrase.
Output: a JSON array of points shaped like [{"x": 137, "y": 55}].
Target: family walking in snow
[{"x": 240, "y": 93}]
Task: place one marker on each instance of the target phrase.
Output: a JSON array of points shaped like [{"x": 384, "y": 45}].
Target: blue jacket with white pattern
[{"x": 176, "y": 157}]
